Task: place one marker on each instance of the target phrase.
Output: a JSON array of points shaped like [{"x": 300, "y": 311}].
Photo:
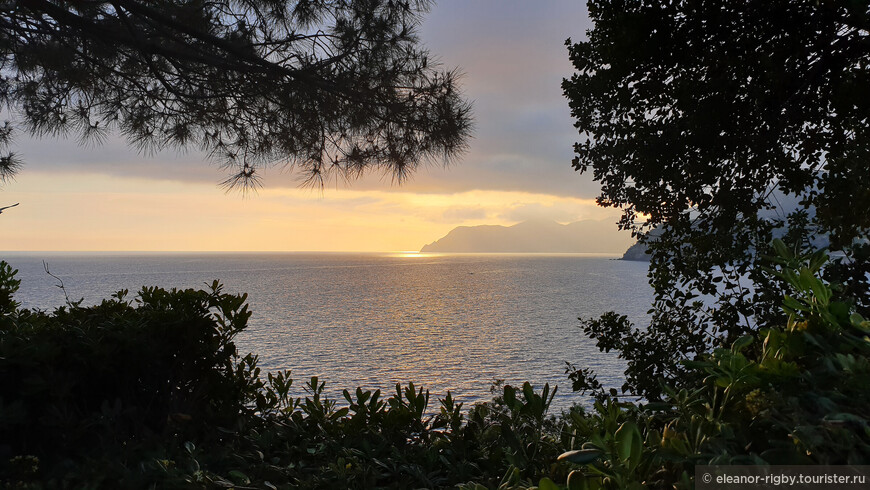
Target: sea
[{"x": 442, "y": 321}]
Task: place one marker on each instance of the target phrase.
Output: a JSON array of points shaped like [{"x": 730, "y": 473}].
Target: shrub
[
  {"x": 116, "y": 377},
  {"x": 153, "y": 390},
  {"x": 790, "y": 394}
]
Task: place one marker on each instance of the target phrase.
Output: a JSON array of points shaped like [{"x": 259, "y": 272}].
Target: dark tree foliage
[
  {"x": 700, "y": 119},
  {"x": 325, "y": 86}
]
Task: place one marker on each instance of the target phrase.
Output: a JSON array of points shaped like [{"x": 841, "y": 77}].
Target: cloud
[
  {"x": 114, "y": 158},
  {"x": 462, "y": 214},
  {"x": 513, "y": 56},
  {"x": 560, "y": 213}
]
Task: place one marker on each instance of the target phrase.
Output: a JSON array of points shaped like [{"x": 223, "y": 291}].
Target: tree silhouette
[
  {"x": 323, "y": 86},
  {"x": 698, "y": 117}
]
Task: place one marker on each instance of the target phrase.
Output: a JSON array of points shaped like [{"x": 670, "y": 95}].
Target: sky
[{"x": 513, "y": 58}]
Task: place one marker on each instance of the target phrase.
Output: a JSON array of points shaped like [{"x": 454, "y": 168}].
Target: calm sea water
[{"x": 446, "y": 322}]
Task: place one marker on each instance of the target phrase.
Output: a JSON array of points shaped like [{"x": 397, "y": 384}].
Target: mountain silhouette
[{"x": 534, "y": 236}]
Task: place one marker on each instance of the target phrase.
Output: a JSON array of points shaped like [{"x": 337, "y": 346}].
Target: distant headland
[{"x": 534, "y": 236}]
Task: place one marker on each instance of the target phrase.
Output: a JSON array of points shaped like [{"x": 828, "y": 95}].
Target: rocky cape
[
  {"x": 636, "y": 252},
  {"x": 536, "y": 236}
]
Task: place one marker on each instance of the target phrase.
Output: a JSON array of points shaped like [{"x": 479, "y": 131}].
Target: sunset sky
[{"x": 518, "y": 167}]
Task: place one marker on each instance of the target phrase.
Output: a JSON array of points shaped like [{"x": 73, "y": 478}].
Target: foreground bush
[
  {"x": 152, "y": 392},
  {"x": 790, "y": 394},
  {"x": 87, "y": 391}
]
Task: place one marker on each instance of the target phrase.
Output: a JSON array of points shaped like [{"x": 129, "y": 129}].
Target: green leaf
[
  {"x": 821, "y": 291},
  {"x": 696, "y": 364},
  {"x": 806, "y": 279},
  {"x": 623, "y": 440},
  {"x": 581, "y": 456},
  {"x": 510, "y": 396},
  {"x": 859, "y": 322},
  {"x": 547, "y": 484},
  {"x": 742, "y": 343},
  {"x": 794, "y": 304},
  {"x": 629, "y": 443},
  {"x": 781, "y": 249},
  {"x": 511, "y": 477},
  {"x": 792, "y": 278},
  {"x": 659, "y": 406},
  {"x": 577, "y": 481},
  {"x": 817, "y": 260},
  {"x": 846, "y": 417},
  {"x": 339, "y": 413},
  {"x": 239, "y": 477},
  {"x": 528, "y": 392}
]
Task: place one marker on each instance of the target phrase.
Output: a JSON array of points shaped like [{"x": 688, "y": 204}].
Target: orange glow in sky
[
  {"x": 80, "y": 212},
  {"x": 518, "y": 167}
]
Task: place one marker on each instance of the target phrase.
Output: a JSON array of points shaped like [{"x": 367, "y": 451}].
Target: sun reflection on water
[{"x": 412, "y": 254}]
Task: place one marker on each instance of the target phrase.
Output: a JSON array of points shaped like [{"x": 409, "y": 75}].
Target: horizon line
[{"x": 294, "y": 252}]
